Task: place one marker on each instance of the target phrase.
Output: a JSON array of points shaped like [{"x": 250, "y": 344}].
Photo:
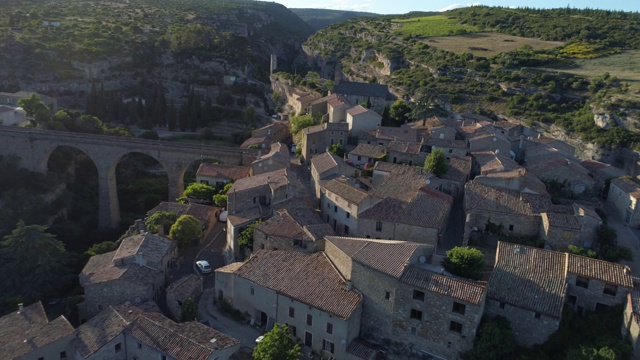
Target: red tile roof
[
  {"x": 428, "y": 208},
  {"x": 25, "y": 331},
  {"x": 224, "y": 171},
  {"x": 608, "y": 272},
  {"x": 627, "y": 185},
  {"x": 529, "y": 278},
  {"x": 308, "y": 278},
  {"x": 480, "y": 197},
  {"x": 457, "y": 288},
  {"x": 387, "y": 257}
]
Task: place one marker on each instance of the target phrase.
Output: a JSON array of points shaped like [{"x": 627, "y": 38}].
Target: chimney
[
  {"x": 20, "y": 307},
  {"x": 214, "y": 343}
]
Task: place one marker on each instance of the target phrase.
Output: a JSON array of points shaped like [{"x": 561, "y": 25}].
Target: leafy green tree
[
  {"x": 160, "y": 219},
  {"x": 336, "y": 149},
  {"x": 220, "y": 200},
  {"x": 245, "y": 239},
  {"x": 494, "y": 341},
  {"x": 32, "y": 263},
  {"x": 277, "y": 344},
  {"x": 300, "y": 122},
  {"x": 186, "y": 231},
  {"x": 465, "y": 261},
  {"x": 386, "y": 116},
  {"x": 226, "y": 188},
  {"x": 189, "y": 310},
  {"x": 400, "y": 111},
  {"x": 102, "y": 248},
  {"x": 591, "y": 353},
  {"x": 200, "y": 191},
  {"x": 35, "y": 108},
  {"x": 436, "y": 163}
]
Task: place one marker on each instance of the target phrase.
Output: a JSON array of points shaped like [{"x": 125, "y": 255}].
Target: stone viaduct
[{"x": 35, "y": 146}]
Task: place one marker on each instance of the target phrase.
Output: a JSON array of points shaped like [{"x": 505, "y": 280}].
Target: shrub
[{"x": 465, "y": 262}]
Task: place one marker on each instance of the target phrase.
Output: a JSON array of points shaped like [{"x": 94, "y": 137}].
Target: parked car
[{"x": 203, "y": 266}]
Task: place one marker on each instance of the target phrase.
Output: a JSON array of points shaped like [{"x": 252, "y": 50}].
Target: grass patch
[
  {"x": 488, "y": 44},
  {"x": 428, "y": 26},
  {"x": 625, "y": 66}
]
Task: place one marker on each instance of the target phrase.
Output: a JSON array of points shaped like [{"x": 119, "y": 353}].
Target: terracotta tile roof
[
  {"x": 357, "y": 110},
  {"x": 337, "y": 101},
  {"x": 459, "y": 169},
  {"x": 406, "y": 147},
  {"x": 428, "y": 208},
  {"x": 325, "y": 162},
  {"x": 190, "y": 340},
  {"x": 361, "y": 350},
  {"x": 319, "y": 231},
  {"x": 606, "y": 171},
  {"x": 561, "y": 220},
  {"x": 489, "y": 162},
  {"x": 446, "y": 143},
  {"x": 279, "y": 152},
  {"x": 627, "y": 185},
  {"x": 454, "y": 287},
  {"x": 152, "y": 247},
  {"x": 203, "y": 213},
  {"x": 25, "y": 331},
  {"x": 386, "y": 256},
  {"x": 402, "y": 183},
  {"x": 581, "y": 210},
  {"x": 100, "y": 268},
  {"x": 98, "y": 331},
  {"x": 275, "y": 180},
  {"x": 256, "y": 141},
  {"x": 608, "y": 272},
  {"x": 482, "y": 197},
  {"x": 282, "y": 225},
  {"x": 558, "y": 167},
  {"x": 308, "y": 278},
  {"x": 224, "y": 171},
  {"x": 185, "y": 287},
  {"x": 343, "y": 189},
  {"x": 529, "y": 278},
  {"x": 245, "y": 216},
  {"x": 371, "y": 151},
  {"x": 268, "y": 130},
  {"x": 231, "y": 268},
  {"x": 392, "y": 133}
]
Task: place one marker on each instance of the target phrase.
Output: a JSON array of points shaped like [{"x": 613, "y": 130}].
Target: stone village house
[
  {"x": 135, "y": 272},
  {"x": 530, "y": 286},
  {"x": 304, "y": 291}
]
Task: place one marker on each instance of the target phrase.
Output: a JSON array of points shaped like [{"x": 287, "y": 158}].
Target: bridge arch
[{"x": 34, "y": 147}]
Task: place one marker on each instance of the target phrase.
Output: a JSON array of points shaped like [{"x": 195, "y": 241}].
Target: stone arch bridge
[{"x": 34, "y": 147}]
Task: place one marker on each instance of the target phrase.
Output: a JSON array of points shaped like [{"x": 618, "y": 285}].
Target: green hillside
[
  {"x": 524, "y": 63},
  {"x": 321, "y": 18}
]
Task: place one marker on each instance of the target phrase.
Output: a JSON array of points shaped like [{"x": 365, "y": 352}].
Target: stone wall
[
  {"x": 98, "y": 297},
  {"x": 624, "y": 205},
  {"x": 435, "y": 333},
  {"x": 397, "y": 157},
  {"x": 397, "y": 231},
  {"x": 53, "y": 350},
  {"x": 522, "y": 225},
  {"x": 588, "y": 298},
  {"x": 528, "y": 329},
  {"x": 343, "y": 332},
  {"x": 630, "y": 327},
  {"x": 340, "y": 260},
  {"x": 380, "y": 294},
  {"x": 109, "y": 351}
]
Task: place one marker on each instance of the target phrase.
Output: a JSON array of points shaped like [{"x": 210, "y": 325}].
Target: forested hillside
[
  {"x": 61, "y": 46},
  {"x": 321, "y": 18},
  {"x": 549, "y": 66}
]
